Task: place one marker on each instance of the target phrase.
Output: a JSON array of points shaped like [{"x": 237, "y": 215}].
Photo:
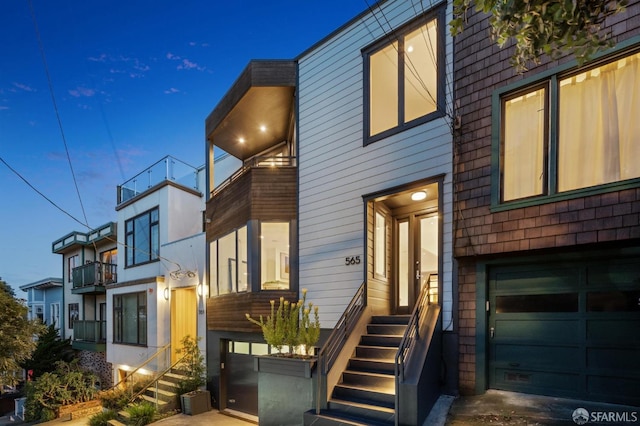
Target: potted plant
[
  {"x": 193, "y": 399},
  {"x": 285, "y": 380}
]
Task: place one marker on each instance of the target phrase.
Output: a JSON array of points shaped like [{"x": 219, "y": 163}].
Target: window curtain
[
  {"x": 599, "y": 126},
  {"x": 523, "y": 150}
]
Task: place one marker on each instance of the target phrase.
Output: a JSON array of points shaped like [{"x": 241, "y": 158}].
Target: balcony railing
[
  {"x": 167, "y": 169},
  {"x": 94, "y": 274},
  {"x": 90, "y": 331},
  {"x": 255, "y": 162}
]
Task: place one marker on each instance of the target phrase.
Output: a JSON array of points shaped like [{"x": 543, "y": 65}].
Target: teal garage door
[{"x": 566, "y": 329}]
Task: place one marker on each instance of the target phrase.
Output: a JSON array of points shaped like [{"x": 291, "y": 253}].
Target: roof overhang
[{"x": 257, "y": 111}]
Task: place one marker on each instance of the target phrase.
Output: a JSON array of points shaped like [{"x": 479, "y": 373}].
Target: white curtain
[
  {"x": 523, "y": 150},
  {"x": 599, "y": 116}
]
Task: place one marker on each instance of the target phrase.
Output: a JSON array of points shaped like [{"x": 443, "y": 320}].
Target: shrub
[
  {"x": 114, "y": 399},
  {"x": 102, "y": 419},
  {"x": 192, "y": 364},
  {"x": 291, "y": 325},
  {"x": 141, "y": 414}
]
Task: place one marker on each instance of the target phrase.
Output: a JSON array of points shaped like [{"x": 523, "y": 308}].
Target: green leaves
[{"x": 548, "y": 27}]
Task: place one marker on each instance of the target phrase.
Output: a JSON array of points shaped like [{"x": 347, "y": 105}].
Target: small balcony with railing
[
  {"x": 167, "y": 170},
  {"x": 91, "y": 278},
  {"x": 89, "y": 335}
]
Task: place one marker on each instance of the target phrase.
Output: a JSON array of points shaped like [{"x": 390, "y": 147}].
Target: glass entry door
[{"x": 417, "y": 259}]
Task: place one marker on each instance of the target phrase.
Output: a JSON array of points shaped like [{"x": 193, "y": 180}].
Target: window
[
  {"x": 380, "y": 244},
  {"x": 55, "y": 314},
  {"x": 130, "y": 318},
  {"x": 594, "y": 133},
  {"x": 142, "y": 236},
  {"x": 39, "y": 313},
  {"x": 72, "y": 262},
  {"x": 109, "y": 260},
  {"x": 74, "y": 313},
  {"x": 274, "y": 255},
  {"x": 229, "y": 271},
  {"x": 404, "y": 80}
]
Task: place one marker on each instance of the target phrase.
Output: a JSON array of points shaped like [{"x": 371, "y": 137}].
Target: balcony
[
  {"x": 84, "y": 239},
  {"x": 90, "y": 335},
  {"x": 269, "y": 162},
  {"x": 168, "y": 169},
  {"x": 91, "y": 278}
]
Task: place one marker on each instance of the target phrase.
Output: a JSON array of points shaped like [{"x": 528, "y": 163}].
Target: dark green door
[{"x": 570, "y": 329}]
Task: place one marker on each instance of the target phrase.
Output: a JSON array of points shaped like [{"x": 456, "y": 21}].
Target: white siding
[{"x": 335, "y": 169}]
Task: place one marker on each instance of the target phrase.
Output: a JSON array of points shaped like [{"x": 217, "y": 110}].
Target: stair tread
[
  {"x": 162, "y": 392},
  {"x": 152, "y": 399},
  {"x": 363, "y": 405},
  {"x": 380, "y": 360},
  {"x": 377, "y": 389},
  {"x": 342, "y": 420},
  {"x": 168, "y": 383},
  {"x": 369, "y": 373}
]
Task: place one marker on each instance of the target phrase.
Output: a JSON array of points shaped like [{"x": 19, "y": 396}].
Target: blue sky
[{"x": 133, "y": 81}]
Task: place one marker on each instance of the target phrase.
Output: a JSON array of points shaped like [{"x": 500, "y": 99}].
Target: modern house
[
  {"x": 157, "y": 299},
  {"x": 89, "y": 262},
  {"x": 547, "y": 228},
  {"x": 44, "y": 299},
  {"x": 345, "y": 189}
]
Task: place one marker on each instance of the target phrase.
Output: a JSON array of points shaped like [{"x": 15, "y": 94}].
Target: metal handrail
[
  {"x": 256, "y": 162},
  {"x": 154, "y": 382},
  {"x": 411, "y": 335},
  {"x": 144, "y": 364},
  {"x": 334, "y": 344}
]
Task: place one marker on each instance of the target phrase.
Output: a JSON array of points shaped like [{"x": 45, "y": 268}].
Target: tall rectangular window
[
  {"x": 575, "y": 130},
  {"x": 229, "y": 262},
  {"x": 524, "y": 138},
  {"x": 404, "y": 81},
  {"x": 380, "y": 246},
  {"x": 274, "y": 255},
  {"x": 142, "y": 238},
  {"x": 130, "y": 318},
  {"x": 72, "y": 262},
  {"x": 55, "y": 314}
]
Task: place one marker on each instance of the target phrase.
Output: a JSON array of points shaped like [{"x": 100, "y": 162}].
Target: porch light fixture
[
  {"x": 241, "y": 140},
  {"x": 166, "y": 293},
  {"x": 263, "y": 128},
  {"x": 419, "y": 195},
  {"x": 200, "y": 288}
]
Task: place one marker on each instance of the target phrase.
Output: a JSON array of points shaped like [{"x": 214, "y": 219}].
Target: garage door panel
[
  {"x": 621, "y": 390},
  {"x": 614, "y": 331},
  {"x": 616, "y": 272},
  {"x": 539, "y": 356},
  {"x": 516, "y": 279},
  {"x": 613, "y": 359},
  {"x": 552, "y": 330},
  {"x": 537, "y": 381}
]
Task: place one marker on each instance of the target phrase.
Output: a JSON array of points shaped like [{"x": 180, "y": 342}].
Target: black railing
[
  {"x": 94, "y": 274},
  {"x": 334, "y": 344},
  {"x": 255, "y": 162}
]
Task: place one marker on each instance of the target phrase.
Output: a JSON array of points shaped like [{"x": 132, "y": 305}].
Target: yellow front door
[{"x": 184, "y": 314}]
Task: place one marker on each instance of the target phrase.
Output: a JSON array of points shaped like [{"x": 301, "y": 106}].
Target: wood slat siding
[
  {"x": 335, "y": 170},
  {"x": 261, "y": 193},
  {"x": 227, "y": 312},
  {"x": 481, "y": 68}
]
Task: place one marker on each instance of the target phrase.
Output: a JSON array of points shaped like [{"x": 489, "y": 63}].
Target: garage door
[
  {"x": 570, "y": 329},
  {"x": 241, "y": 379}
]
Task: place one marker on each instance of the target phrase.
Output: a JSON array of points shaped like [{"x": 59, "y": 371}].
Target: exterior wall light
[
  {"x": 419, "y": 196},
  {"x": 166, "y": 293}
]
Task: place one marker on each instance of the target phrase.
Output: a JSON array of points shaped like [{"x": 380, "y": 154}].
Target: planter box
[
  {"x": 285, "y": 366},
  {"x": 196, "y": 402},
  {"x": 286, "y": 389}
]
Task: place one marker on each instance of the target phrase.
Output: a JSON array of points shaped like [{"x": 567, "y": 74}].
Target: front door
[
  {"x": 184, "y": 311},
  {"x": 416, "y": 258}
]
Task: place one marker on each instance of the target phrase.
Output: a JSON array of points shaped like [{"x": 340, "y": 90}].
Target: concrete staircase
[{"x": 365, "y": 394}]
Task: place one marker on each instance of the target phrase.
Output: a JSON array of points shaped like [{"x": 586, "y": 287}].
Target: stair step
[
  {"x": 369, "y": 380},
  {"x": 162, "y": 392},
  {"x": 328, "y": 419},
  {"x": 376, "y": 352},
  {"x": 381, "y": 396},
  {"x": 178, "y": 377},
  {"x": 153, "y": 400},
  {"x": 390, "y": 319},
  {"x": 114, "y": 422},
  {"x": 385, "y": 366},
  {"x": 393, "y": 329},
  {"x": 361, "y": 411},
  {"x": 124, "y": 414},
  {"x": 168, "y": 383},
  {"x": 387, "y": 340}
]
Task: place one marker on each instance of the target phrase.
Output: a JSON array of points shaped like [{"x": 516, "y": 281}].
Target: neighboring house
[
  {"x": 345, "y": 190},
  {"x": 44, "y": 301},
  {"x": 158, "y": 298},
  {"x": 547, "y": 230},
  {"x": 89, "y": 261}
]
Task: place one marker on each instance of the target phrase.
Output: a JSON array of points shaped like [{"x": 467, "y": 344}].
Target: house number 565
[{"x": 352, "y": 260}]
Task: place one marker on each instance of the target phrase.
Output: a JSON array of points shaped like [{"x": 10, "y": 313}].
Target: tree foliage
[
  {"x": 549, "y": 27},
  {"x": 16, "y": 335},
  {"x": 49, "y": 350},
  {"x": 192, "y": 364}
]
